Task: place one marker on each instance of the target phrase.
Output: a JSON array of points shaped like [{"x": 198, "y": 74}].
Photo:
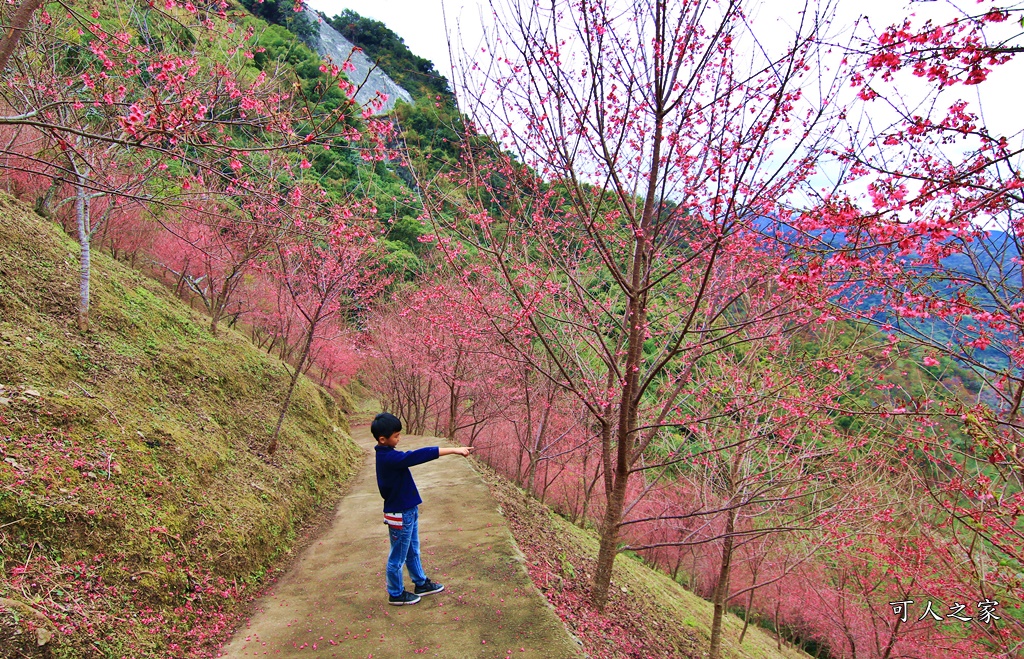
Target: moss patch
[{"x": 136, "y": 514}]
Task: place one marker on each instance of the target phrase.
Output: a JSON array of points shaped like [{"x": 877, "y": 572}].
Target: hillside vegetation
[
  {"x": 138, "y": 515},
  {"x": 648, "y": 615}
]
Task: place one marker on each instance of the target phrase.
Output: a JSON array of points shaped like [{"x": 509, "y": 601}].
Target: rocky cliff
[{"x": 367, "y": 76}]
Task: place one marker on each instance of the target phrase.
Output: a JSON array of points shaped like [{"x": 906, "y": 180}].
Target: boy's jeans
[{"x": 405, "y": 549}]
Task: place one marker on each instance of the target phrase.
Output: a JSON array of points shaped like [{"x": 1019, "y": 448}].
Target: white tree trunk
[{"x": 84, "y": 238}]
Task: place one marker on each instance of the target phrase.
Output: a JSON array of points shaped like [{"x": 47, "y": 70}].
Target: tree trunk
[
  {"x": 214, "y": 319},
  {"x": 609, "y": 543},
  {"x": 636, "y": 314},
  {"x": 610, "y": 525},
  {"x": 888, "y": 646},
  {"x": 536, "y": 451},
  {"x": 453, "y": 411},
  {"x": 746, "y": 617},
  {"x": 548, "y": 480},
  {"x": 778, "y": 631},
  {"x": 22, "y": 16},
  {"x": 750, "y": 601},
  {"x": 219, "y": 304},
  {"x": 84, "y": 238},
  {"x": 272, "y": 447},
  {"x": 43, "y": 201},
  {"x": 454, "y": 391},
  {"x": 721, "y": 594}
]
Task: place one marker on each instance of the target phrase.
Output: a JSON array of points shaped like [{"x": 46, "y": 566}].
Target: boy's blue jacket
[{"x": 394, "y": 480}]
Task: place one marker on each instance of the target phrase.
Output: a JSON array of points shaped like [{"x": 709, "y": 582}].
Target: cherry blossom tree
[
  {"x": 394, "y": 372},
  {"x": 653, "y": 154},
  {"x": 209, "y": 248},
  {"x": 438, "y": 367},
  {"x": 128, "y": 85},
  {"x": 926, "y": 214},
  {"x": 328, "y": 272}
]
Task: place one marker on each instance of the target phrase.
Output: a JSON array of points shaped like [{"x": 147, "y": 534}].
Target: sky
[{"x": 420, "y": 23}]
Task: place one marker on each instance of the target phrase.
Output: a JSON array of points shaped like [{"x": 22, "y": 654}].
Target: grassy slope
[
  {"x": 135, "y": 514},
  {"x": 648, "y": 614}
]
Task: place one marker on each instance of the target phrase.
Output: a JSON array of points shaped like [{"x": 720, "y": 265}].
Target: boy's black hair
[{"x": 385, "y": 425}]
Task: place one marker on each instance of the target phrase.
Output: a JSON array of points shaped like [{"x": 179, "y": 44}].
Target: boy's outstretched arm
[{"x": 464, "y": 451}]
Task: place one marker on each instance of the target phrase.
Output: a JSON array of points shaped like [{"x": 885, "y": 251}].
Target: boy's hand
[{"x": 464, "y": 451}]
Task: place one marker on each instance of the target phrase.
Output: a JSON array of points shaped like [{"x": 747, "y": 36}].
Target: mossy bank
[
  {"x": 648, "y": 615},
  {"x": 136, "y": 513}
]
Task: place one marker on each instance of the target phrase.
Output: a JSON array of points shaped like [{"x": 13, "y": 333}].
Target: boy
[{"x": 401, "y": 513}]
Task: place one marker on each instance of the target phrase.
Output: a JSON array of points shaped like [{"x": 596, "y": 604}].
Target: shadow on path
[{"x": 332, "y": 601}]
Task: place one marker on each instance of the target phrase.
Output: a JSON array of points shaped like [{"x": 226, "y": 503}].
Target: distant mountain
[
  {"x": 993, "y": 257},
  {"x": 996, "y": 254}
]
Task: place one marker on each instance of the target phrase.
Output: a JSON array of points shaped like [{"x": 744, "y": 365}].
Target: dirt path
[{"x": 332, "y": 602}]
